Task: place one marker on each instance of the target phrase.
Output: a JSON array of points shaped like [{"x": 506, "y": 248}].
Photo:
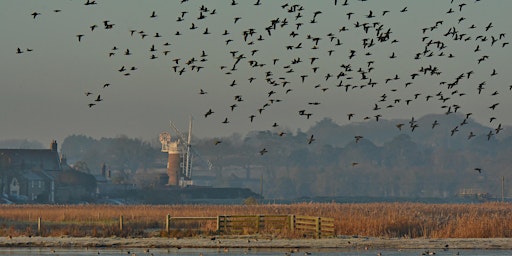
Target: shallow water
[{"x": 253, "y": 252}]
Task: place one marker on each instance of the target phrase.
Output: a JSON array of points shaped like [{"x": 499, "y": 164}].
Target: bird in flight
[
  {"x": 311, "y": 139},
  {"x": 435, "y": 123},
  {"x": 358, "y": 64},
  {"x": 35, "y": 14},
  {"x": 210, "y": 111}
]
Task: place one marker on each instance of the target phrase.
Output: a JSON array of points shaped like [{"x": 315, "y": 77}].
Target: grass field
[{"x": 414, "y": 220}]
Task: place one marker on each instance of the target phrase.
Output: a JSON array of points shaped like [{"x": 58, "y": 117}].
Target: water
[{"x": 253, "y": 252}]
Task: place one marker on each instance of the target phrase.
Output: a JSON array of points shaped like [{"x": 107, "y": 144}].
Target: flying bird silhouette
[
  {"x": 35, "y": 14},
  {"x": 209, "y": 112},
  {"x": 311, "y": 139}
]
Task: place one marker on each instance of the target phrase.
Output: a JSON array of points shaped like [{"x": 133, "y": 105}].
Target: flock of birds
[{"x": 287, "y": 54}]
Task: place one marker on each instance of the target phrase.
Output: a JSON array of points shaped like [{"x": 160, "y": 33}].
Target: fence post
[
  {"x": 317, "y": 228},
  {"x": 258, "y": 220},
  {"x": 39, "y": 223},
  {"x": 218, "y": 223},
  {"x": 121, "y": 223},
  {"x": 168, "y": 223},
  {"x": 291, "y": 218}
]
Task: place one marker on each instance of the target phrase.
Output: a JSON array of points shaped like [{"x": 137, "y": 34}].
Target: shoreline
[{"x": 262, "y": 243}]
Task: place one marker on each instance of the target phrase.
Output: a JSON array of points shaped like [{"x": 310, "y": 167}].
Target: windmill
[{"x": 183, "y": 148}]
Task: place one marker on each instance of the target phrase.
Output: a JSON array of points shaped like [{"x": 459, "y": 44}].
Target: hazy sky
[{"x": 43, "y": 91}]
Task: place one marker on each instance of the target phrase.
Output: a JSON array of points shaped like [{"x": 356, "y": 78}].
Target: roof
[{"x": 44, "y": 159}]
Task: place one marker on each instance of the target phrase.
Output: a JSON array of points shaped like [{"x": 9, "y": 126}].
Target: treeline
[{"x": 386, "y": 161}]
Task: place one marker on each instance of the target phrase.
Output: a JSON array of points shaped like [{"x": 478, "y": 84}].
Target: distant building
[
  {"x": 30, "y": 175},
  {"x": 25, "y": 174}
]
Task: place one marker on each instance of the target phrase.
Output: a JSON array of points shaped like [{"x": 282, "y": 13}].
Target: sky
[{"x": 291, "y": 64}]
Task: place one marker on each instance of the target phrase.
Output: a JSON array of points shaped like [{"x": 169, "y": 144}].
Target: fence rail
[{"x": 174, "y": 221}]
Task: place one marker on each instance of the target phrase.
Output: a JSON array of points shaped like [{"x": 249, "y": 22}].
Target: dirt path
[{"x": 220, "y": 242}]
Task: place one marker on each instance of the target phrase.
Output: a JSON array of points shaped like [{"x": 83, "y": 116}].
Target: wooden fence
[
  {"x": 317, "y": 227},
  {"x": 250, "y": 224}
]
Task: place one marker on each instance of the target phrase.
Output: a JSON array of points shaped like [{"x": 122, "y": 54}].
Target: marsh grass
[{"x": 412, "y": 220}]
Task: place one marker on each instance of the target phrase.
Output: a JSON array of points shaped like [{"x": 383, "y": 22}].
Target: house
[{"x": 29, "y": 174}]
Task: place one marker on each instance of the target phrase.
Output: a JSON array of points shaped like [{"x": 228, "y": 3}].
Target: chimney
[
  {"x": 53, "y": 146},
  {"x": 63, "y": 160},
  {"x": 104, "y": 170}
]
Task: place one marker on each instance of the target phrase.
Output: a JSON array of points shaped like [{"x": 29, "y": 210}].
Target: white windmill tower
[
  {"x": 181, "y": 154},
  {"x": 173, "y": 160}
]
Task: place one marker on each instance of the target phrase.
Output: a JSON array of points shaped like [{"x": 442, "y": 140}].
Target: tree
[
  {"x": 74, "y": 147},
  {"x": 127, "y": 154},
  {"x": 402, "y": 152}
]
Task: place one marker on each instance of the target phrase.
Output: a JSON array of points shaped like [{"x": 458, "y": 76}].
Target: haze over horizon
[{"x": 384, "y": 43}]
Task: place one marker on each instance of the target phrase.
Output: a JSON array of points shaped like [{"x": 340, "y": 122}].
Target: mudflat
[{"x": 254, "y": 242}]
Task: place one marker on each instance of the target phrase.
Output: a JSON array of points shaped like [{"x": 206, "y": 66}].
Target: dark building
[{"x": 29, "y": 174}]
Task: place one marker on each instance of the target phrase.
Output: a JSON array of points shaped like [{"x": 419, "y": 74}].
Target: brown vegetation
[{"x": 487, "y": 220}]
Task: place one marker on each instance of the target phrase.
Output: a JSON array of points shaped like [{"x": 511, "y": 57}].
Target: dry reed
[{"x": 486, "y": 220}]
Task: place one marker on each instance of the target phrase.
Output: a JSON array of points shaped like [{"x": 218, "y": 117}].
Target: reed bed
[{"x": 411, "y": 220}]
